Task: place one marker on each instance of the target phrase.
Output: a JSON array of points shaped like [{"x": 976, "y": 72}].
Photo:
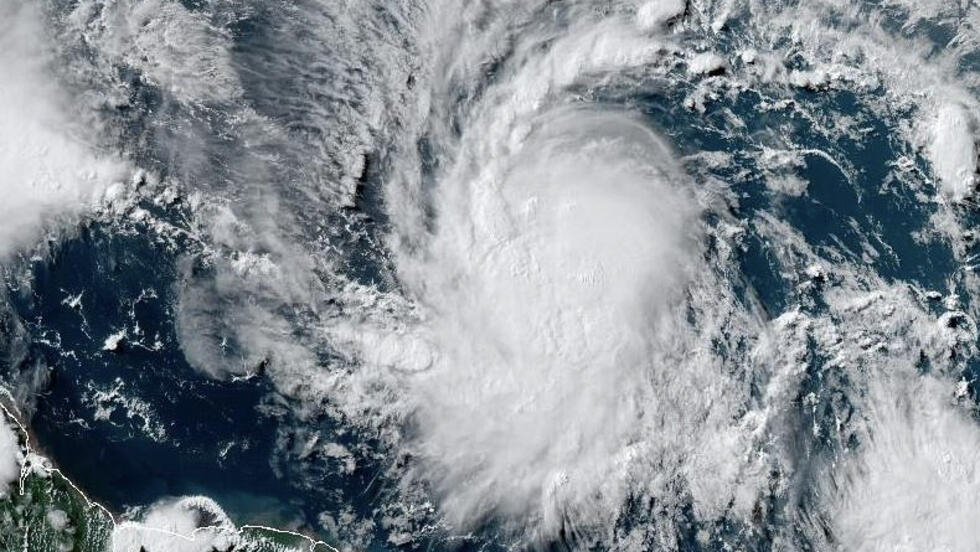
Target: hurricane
[{"x": 679, "y": 275}]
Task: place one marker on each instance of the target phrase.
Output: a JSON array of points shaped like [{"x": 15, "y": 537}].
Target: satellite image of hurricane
[{"x": 489, "y": 275}]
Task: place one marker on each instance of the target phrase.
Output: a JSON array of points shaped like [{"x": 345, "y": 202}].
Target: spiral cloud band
[{"x": 546, "y": 285}]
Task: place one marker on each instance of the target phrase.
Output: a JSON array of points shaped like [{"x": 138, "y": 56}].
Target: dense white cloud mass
[
  {"x": 655, "y": 13},
  {"x": 11, "y": 457},
  {"x": 550, "y": 356},
  {"x": 953, "y": 150},
  {"x": 187, "y": 524},
  {"x": 549, "y": 286},
  {"x": 47, "y": 169},
  {"x": 915, "y": 483}
]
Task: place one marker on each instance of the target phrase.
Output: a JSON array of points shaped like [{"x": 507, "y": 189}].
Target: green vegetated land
[
  {"x": 44, "y": 512},
  {"x": 48, "y": 514}
]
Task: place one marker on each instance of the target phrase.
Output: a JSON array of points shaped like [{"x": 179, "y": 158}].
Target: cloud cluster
[
  {"x": 548, "y": 292},
  {"x": 48, "y": 169}
]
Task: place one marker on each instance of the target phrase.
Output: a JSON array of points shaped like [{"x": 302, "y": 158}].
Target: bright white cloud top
[{"x": 48, "y": 167}]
